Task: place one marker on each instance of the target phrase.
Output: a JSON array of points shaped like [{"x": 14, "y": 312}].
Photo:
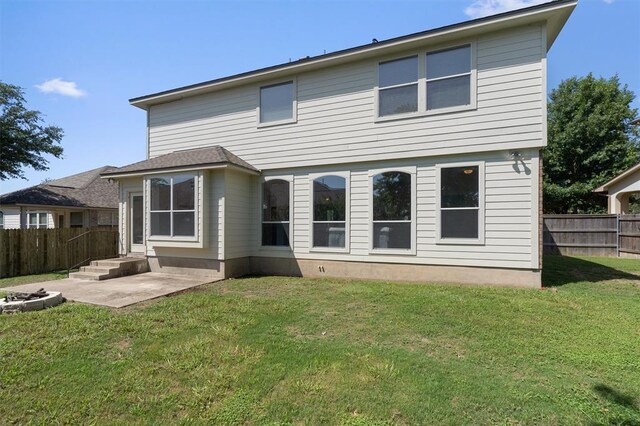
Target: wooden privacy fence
[
  {"x": 592, "y": 235},
  {"x": 35, "y": 251}
]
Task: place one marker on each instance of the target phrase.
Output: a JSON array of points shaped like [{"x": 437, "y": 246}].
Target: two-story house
[{"x": 415, "y": 158}]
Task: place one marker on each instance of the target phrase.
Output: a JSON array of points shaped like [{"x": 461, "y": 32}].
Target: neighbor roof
[
  {"x": 555, "y": 13},
  {"x": 198, "y": 158},
  {"x": 85, "y": 190},
  {"x": 605, "y": 188}
]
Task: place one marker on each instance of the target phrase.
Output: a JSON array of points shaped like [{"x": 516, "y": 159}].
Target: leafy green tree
[
  {"x": 24, "y": 137},
  {"x": 590, "y": 140}
]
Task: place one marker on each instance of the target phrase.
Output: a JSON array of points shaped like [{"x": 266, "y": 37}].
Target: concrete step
[
  {"x": 112, "y": 268},
  {"x": 94, "y": 276}
]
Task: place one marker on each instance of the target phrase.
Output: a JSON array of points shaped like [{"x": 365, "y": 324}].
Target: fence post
[{"x": 618, "y": 235}]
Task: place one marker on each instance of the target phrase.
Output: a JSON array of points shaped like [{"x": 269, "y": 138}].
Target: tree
[
  {"x": 24, "y": 137},
  {"x": 590, "y": 141}
]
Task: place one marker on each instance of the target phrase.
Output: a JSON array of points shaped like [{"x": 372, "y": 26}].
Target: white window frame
[
  {"x": 412, "y": 171},
  {"x": 294, "y": 111},
  {"x": 287, "y": 178},
  {"x": 481, "y": 204},
  {"x": 197, "y": 211},
  {"x": 422, "y": 84},
  {"x": 38, "y": 226},
  {"x": 346, "y": 175},
  {"x": 417, "y": 83}
]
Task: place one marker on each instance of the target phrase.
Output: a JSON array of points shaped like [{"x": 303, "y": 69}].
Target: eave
[{"x": 555, "y": 14}]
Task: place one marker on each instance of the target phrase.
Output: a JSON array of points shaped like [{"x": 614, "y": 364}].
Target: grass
[
  {"x": 26, "y": 279},
  {"x": 305, "y": 351}
]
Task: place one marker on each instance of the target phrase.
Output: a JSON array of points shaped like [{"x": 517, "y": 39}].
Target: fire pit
[{"x": 25, "y": 302}]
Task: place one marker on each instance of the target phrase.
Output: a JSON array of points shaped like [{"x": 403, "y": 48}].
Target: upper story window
[
  {"x": 277, "y": 103},
  {"x": 276, "y": 212},
  {"x": 430, "y": 83},
  {"x": 460, "y": 202},
  {"x": 330, "y": 212},
  {"x": 36, "y": 220},
  {"x": 393, "y": 204},
  {"x": 398, "y": 86},
  {"x": 449, "y": 78},
  {"x": 173, "y": 206}
]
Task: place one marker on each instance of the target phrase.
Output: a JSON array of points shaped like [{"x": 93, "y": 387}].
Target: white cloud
[
  {"x": 480, "y": 8},
  {"x": 608, "y": 1},
  {"x": 61, "y": 87}
]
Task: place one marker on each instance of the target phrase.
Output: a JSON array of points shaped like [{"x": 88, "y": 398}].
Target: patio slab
[{"x": 116, "y": 292}]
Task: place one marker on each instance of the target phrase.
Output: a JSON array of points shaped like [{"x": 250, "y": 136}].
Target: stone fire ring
[{"x": 53, "y": 298}]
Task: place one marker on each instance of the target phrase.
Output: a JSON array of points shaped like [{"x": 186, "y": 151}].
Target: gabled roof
[
  {"x": 554, "y": 13},
  {"x": 192, "y": 159},
  {"x": 605, "y": 188},
  {"x": 83, "y": 190}
]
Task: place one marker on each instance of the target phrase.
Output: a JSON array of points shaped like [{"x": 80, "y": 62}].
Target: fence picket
[{"x": 35, "y": 251}]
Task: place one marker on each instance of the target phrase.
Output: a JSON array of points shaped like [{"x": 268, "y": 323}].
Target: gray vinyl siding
[
  {"x": 336, "y": 108},
  {"x": 509, "y": 214},
  {"x": 241, "y": 219}
]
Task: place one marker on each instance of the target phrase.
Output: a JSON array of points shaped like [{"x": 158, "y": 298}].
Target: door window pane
[
  {"x": 276, "y": 102},
  {"x": 137, "y": 215}
]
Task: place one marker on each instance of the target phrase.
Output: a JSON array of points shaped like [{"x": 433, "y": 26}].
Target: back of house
[{"x": 415, "y": 158}]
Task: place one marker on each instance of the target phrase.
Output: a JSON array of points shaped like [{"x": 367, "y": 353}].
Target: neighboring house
[
  {"x": 81, "y": 200},
  {"x": 620, "y": 188},
  {"x": 415, "y": 158}
]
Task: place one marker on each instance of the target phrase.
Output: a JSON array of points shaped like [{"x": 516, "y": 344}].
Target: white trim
[
  {"x": 412, "y": 171},
  {"x": 38, "y": 225},
  {"x": 197, "y": 240},
  {"x": 181, "y": 169},
  {"x": 481, "y": 204},
  {"x": 543, "y": 88},
  {"x": 286, "y": 178},
  {"x": 294, "y": 106},
  {"x": 346, "y": 175}
]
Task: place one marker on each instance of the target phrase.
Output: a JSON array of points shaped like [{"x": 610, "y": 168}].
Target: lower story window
[
  {"x": 392, "y": 210},
  {"x": 276, "y": 212},
  {"x": 76, "y": 219},
  {"x": 330, "y": 211},
  {"x": 36, "y": 220},
  {"x": 460, "y": 202},
  {"x": 173, "y": 202}
]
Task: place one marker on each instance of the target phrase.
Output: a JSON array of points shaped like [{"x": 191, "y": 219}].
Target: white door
[{"x": 136, "y": 223}]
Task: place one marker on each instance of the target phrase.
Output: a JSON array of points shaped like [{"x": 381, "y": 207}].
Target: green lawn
[
  {"x": 26, "y": 279},
  {"x": 303, "y": 351}
]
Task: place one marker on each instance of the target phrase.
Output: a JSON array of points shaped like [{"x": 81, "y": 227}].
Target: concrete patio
[{"x": 116, "y": 292}]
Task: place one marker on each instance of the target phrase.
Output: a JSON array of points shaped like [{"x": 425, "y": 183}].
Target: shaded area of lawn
[
  {"x": 561, "y": 270},
  {"x": 288, "y": 350}
]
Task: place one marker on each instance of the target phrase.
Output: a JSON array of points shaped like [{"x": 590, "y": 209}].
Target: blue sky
[{"x": 80, "y": 62}]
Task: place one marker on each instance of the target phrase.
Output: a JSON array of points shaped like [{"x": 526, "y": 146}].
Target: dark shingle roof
[
  {"x": 213, "y": 155},
  {"x": 84, "y": 189}
]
